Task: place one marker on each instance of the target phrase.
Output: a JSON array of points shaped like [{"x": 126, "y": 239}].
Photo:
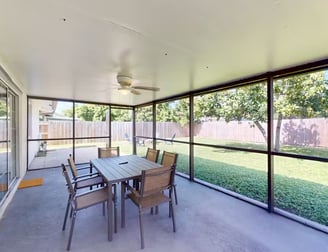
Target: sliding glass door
[{"x": 8, "y": 138}]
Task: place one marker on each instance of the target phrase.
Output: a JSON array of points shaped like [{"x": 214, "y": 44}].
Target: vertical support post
[
  {"x": 270, "y": 96},
  {"x": 191, "y": 138},
  {"x": 154, "y": 125},
  {"x": 110, "y": 126},
  {"x": 134, "y": 139},
  {"x": 73, "y": 130}
]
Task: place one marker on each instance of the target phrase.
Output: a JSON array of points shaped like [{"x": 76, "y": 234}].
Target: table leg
[
  {"x": 110, "y": 212},
  {"x": 122, "y": 205}
]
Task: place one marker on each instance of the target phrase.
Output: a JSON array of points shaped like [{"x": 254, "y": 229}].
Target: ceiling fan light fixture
[{"x": 124, "y": 91}]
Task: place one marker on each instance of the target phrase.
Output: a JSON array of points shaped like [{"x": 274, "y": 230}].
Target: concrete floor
[{"x": 206, "y": 221}]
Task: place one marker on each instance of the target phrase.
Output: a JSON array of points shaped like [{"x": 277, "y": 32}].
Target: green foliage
[
  {"x": 68, "y": 113},
  {"x": 3, "y": 108},
  {"x": 121, "y": 115},
  {"x": 164, "y": 112},
  {"x": 144, "y": 114},
  {"x": 300, "y": 185},
  {"x": 90, "y": 112},
  {"x": 302, "y": 96},
  {"x": 176, "y": 111},
  {"x": 301, "y": 197}
]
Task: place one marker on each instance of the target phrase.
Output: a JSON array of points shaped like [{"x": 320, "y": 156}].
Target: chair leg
[
  {"x": 71, "y": 231},
  {"x": 175, "y": 194},
  {"x": 141, "y": 229},
  {"x": 172, "y": 213},
  {"x": 66, "y": 212},
  {"x": 170, "y": 208}
]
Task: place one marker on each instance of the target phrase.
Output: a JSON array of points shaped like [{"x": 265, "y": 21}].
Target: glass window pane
[
  {"x": 301, "y": 187},
  {"x": 50, "y": 153},
  {"x": 50, "y": 119},
  {"x": 87, "y": 149},
  {"x": 234, "y": 117},
  {"x": 183, "y": 155},
  {"x": 300, "y": 114},
  {"x": 172, "y": 120},
  {"x": 144, "y": 121},
  {"x": 241, "y": 172},
  {"x": 3, "y": 143},
  {"x": 121, "y": 125},
  {"x": 91, "y": 120},
  {"x": 12, "y": 136}
]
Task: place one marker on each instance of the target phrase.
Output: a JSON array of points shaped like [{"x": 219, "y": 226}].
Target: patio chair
[
  {"x": 170, "y": 141},
  {"x": 170, "y": 159},
  {"x": 81, "y": 182},
  {"x": 76, "y": 176},
  {"x": 104, "y": 152},
  {"x": 151, "y": 155},
  {"x": 79, "y": 201},
  {"x": 127, "y": 138},
  {"x": 154, "y": 183}
]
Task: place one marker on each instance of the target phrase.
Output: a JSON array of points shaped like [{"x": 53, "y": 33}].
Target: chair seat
[
  {"x": 91, "y": 198},
  {"x": 149, "y": 201},
  {"x": 90, "y": 181}
]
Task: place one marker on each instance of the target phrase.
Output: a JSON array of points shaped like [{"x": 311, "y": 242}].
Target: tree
[
  {"x": 121, "y": 115},
  {"x": 299, "y": 96},
  {"x": 181, "y": 112},
  {"x": 88, "y": 112},
  {"x": 144, "y": 114},
  {"x": 164, "y": 112},
  {"x": 3, "y": 108}
]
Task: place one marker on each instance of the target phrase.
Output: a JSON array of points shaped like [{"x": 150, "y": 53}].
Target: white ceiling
[{"x": 177, "y": 46}]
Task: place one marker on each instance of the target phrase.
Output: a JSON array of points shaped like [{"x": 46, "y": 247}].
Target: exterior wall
[{"x": 34, "y": 129}]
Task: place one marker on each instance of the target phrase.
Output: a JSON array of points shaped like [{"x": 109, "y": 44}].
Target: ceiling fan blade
[
  {"x": 133, "y": 91},
  {"x": 146, "y": 88}
]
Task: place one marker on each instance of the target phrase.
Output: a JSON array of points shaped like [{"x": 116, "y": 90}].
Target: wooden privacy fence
[
  {"x": 304, "y": 132},
  {"x": 301, "y": 132}
]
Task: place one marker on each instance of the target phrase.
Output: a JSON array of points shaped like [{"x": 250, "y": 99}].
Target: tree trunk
[
  {"x": 278, "y": 128},
  {"x": 260, "y": 127}
]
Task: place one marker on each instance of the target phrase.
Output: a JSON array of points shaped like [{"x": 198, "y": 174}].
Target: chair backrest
[
  {"x": 172, "y": 138},
  {"x": 72, "y": 165},
  {"x": 156, "y": 180},
  {"x": 68, "y": 181},
  {"x": 152, "y": 155},
  {"x": 108, "y": 152},
  {"x": 169, "y": 158},
  {"x": 127, "y": 138}
]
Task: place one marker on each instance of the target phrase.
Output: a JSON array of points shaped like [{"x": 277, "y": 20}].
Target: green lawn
[{"x": 301, "y": 186}]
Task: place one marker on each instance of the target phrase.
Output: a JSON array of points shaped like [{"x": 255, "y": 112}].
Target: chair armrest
[
  {"x": 83, "y": 168},
  {"x": 131, "y": 189},
  {"x": 86, "y": 176}
]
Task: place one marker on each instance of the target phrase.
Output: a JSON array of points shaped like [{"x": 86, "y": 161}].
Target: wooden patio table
[{"x": 119, "y": 169}]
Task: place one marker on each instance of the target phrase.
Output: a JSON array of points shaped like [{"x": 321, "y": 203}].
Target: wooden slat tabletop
[{"x": 116, "y": 169}]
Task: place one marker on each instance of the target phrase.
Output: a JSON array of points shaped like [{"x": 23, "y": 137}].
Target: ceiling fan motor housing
[{"x": 124, "y": 80}]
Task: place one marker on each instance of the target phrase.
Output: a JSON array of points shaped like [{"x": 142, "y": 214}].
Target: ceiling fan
[{"x": 126, "y": 86}]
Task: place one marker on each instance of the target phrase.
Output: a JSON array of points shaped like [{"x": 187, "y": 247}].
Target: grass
[{"x": 300, "y": 186}]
